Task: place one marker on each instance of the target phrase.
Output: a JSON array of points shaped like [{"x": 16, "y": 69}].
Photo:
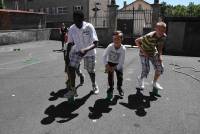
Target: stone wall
[
  {"x": 8, "y": 37},
  {"x": 183, "y": 36},
  {"x": 104, "y": 35},
  {"x": 14, "y": 20}
]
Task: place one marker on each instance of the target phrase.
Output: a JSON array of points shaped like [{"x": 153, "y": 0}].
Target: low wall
[
  {"x": 104, "y": 35},
  {"x": 16, "y": 19},
  {"x": 183, "y": 36},
  {"x": 19, "y": 36}
]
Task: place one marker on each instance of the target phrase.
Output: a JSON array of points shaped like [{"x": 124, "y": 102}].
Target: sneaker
[
  {"x": 109, "y": 93},
  {"x": 157, "y": 86},
  {"x": 82, "y": 80},
  {"x": 95, "y": 89},
  {"x": 109, "y": 96},
  {"x": 154, "y": 93},
  {"x": 121, "y": 92},
  {"x": 140, "y": 82},
  {"x": 69, "y": 94}
]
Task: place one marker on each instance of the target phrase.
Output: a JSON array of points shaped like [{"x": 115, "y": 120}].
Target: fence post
[
  {"x": 112, "y": 16},
  {"x": 156, "y": 12},
  {"x": 133, "y": 20}
]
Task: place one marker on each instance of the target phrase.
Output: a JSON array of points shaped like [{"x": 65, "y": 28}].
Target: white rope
[{"x": 177, "y": 67}]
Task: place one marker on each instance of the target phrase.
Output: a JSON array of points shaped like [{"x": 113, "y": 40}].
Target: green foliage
[
  {"x": 1, "y": 4},
  {"x": 180, "y": 10}
]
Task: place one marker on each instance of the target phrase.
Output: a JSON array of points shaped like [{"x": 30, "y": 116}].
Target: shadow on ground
[
  {"x": 139, "y": 102},
  {"x": 60, "y": 93},
  {"x": 64, "y": 111},
  {"x": 102, "y": 106}
]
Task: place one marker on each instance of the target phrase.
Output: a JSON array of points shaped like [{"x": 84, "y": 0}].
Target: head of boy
[
  {"x": 160, "y": 29},
  {"x": 117, "y": 38},
  {"x": 78, "y": 18}
]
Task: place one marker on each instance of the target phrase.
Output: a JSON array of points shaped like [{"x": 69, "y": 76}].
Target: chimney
[
  {"x": 156, "y": 1},
  {"x": 125, "y": 4}
]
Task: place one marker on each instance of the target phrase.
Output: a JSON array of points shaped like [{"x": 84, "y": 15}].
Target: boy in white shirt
[
  {"x": 113, "y": 58},
  {"x": 83, "y": 39}
]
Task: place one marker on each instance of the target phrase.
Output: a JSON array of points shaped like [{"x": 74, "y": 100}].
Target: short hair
[
  {"x": 161, "y": 24},
  {"x": 78, "y": 14},
  {"x": 118, "y": 32}
]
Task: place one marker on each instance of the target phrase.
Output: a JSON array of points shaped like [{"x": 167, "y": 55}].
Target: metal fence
[{"x": 139, "y": 19}]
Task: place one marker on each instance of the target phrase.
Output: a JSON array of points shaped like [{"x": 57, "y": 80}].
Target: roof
[
  {"x": 133, "y": 3},
  {"x": 19, "y": 11}
]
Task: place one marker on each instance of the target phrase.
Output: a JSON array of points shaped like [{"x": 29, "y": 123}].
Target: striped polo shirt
[{"x": 150, "y": 43}]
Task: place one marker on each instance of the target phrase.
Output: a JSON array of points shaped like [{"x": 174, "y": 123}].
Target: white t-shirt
[
  {"x": 83, "y": 37},
  {"x": 113, "y": 55}
]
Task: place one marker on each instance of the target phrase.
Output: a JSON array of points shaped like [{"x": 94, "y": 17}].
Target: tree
[
  {"x": 1, "y": 4},
  {"x": 193, "y": 10},
  {"x": 180, "y": 10}
]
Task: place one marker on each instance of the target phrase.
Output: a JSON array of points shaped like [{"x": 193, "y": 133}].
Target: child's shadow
[
  {"x": 60, "y": 93},
  {"x": 102, "y": 106},
  {"x": 64, "y": 110},
  {"x": 138, "y": 102}
]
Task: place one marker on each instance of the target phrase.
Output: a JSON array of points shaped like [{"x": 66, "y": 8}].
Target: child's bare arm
[
  {"x": 160, "y": 51},
  {"x": 138, "y": 42}
]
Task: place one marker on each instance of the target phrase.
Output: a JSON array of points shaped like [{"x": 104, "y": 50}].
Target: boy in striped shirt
[{"x": 151, "y": 46}]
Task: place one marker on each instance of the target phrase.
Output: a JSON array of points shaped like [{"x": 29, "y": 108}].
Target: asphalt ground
[{"x": 32, "y": 84}]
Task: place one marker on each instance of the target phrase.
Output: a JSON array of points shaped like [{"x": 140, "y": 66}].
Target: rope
[{"x": 177, "y": 67}]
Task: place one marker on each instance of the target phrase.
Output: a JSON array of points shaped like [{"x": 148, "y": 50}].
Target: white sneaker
[
  {"x": 140, "y": 82},
  {"x": 157, "y": 86},
  {"x": 95, "y": 89}
]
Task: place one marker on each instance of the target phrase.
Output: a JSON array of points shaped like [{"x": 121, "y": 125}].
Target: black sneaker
[
  {"x": 121, "y": 92},
  {"x": 155, "y": 93},
  {"x": 109, "y": 94}
]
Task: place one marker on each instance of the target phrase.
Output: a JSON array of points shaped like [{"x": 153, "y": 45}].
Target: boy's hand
[
  {"x": 82, "y": 52},
  {"x": 108, "y": 68}
]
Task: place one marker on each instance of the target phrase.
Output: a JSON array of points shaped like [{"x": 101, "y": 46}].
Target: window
[
  {"x": 53, "y": 11},
  {"x": 78, "y": 7},
  {"x": 42, "y": 9},
  {"x": 46, "y": 10},
  {"x": 62, "y": 10}
]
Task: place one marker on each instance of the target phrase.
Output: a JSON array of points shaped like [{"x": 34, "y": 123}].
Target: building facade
[
  {"x": 140, "y": 12},
  {"x": 59, "y": 11},
  {"x": 137, "y": 5}
]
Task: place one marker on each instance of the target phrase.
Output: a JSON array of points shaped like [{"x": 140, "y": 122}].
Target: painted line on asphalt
[
  {"x": 19, "y": 67},
  {"x": 11, "y": 62}
]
